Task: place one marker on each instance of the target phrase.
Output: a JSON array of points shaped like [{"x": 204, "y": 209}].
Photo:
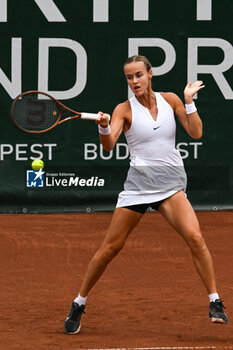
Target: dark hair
[{"x": 139, "y": 58}]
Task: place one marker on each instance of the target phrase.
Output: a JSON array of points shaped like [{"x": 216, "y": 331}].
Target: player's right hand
[{"x": 103, "y": 119}]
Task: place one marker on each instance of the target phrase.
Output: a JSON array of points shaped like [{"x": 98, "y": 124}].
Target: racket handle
[{"x": 89, "y": 116}]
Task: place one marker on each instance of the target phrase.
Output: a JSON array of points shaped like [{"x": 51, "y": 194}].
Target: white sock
[
  {"x": 213, "y": 296},
  {"x": 80, "y": 300}
]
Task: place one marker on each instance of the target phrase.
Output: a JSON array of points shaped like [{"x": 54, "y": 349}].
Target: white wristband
[
  {"x": 191, "y": 108},
  {"x": 104, "y": 131}
]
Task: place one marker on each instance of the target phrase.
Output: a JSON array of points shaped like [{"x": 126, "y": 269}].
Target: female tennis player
[{"x": 156, "y": 179}]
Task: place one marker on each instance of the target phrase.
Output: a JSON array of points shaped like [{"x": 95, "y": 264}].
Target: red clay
[{"x": 149, "y": 296}]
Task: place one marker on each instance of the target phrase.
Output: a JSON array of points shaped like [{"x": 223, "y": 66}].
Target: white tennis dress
[{"x": 156, "y": 168}]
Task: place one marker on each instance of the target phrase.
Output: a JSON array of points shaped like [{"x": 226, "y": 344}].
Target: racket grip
[{"x": 89, "y": 116}]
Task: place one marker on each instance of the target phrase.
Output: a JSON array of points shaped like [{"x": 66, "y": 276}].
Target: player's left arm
[{"x": 191, "y": 122}]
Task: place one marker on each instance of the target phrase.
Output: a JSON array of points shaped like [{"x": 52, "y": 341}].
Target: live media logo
[
  {"x": 35, "y": 178},
  {"x": 39, "y": 178}
]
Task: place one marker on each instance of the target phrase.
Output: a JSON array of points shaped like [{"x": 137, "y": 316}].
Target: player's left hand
[{"x": 191, "y": 89}]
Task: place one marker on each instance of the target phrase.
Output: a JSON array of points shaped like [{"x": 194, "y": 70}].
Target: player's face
[{"x": 137, "y": 77}]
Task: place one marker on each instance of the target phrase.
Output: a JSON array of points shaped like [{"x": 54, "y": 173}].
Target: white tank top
[
  {"x": 152, "y": 142},
  {"x": 156, "y": 169}
]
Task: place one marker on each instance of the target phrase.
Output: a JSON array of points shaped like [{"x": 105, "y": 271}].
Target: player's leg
[
  {"x": 178, "y": 211},
  {"x": 122, "y": 223}
]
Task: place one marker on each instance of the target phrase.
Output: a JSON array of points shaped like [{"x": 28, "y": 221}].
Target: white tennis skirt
[{"x": 148, "y": 184}]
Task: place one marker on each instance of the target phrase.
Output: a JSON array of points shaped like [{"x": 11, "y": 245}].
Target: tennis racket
[{"x": 37, "y": 112}]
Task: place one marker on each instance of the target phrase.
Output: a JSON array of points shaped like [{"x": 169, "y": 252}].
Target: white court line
[{"x": 169, "y": 348}]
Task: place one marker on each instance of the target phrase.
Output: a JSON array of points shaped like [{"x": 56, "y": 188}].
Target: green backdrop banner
[{"x": 75, "y": 50}]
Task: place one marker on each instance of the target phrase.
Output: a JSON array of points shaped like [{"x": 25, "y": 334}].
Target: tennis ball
[{"x": 37, "y": 164}]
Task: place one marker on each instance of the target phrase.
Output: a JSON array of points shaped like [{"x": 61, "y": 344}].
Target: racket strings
[{"x": 32, "y": 112}]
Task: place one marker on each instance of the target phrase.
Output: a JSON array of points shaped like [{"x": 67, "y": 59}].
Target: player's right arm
[{"x": 119, "y": 118}]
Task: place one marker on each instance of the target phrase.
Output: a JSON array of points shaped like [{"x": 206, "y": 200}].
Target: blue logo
[{"x": 35, "y": 178}]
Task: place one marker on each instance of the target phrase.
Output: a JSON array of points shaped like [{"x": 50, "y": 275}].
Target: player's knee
[
  {"x": 196, "y": 242},
  {"x": 110, "y": 251}
]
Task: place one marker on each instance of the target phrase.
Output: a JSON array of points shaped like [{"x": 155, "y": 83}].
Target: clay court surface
[{"x": 149, "y": 297}]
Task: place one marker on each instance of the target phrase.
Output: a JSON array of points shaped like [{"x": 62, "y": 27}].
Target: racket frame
[{"x": 60, "y": 105}]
